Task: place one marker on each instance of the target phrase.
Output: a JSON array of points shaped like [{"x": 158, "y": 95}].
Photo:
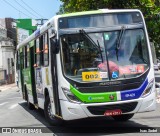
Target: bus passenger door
[
  {"x": 54, "y": 51},
  {"x": 32, "y": 60},
  {"x": 38, "y": 71}
]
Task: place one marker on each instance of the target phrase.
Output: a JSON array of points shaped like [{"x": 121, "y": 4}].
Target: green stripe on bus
[
  {"x": 94, "y": 97},
  {"x": 82, "y": 13}
]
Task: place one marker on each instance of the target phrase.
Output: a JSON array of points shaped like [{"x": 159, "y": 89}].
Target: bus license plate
[{"x": 113, "y": 112}]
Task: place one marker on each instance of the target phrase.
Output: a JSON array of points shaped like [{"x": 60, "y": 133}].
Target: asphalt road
[{"x": 14, "y": 113}]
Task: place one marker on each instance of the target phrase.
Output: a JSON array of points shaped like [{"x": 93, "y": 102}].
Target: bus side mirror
[{"x": 54, "y": 45}]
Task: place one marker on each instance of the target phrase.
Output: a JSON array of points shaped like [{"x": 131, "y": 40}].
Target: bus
[{"x": 88, "y": 64}]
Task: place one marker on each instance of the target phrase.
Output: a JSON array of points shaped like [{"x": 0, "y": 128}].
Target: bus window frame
[
  {"x": 28, "y": 56},
  {"x": 25, "y": 56},
  {"x": 45, "y": 42},
  {"x": 17, "y": 61},
  {"x": 37, "y": 52}
]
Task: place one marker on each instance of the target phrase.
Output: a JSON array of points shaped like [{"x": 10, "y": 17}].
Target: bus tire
[
  {"x": 124, "y": 117},
  {"x": 52, "y": 120}
]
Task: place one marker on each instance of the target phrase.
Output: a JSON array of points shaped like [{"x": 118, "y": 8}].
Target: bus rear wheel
[
  {"x": 124, "y": 117},
  {"x": 48, "y": 114}
]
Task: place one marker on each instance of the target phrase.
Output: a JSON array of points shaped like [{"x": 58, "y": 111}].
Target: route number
[{"x": 91, "y": 76}]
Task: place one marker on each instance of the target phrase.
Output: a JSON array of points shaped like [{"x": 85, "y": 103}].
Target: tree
[{"x": 150, "y": 9}]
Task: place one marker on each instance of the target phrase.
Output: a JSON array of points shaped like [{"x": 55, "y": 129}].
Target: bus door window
[
  {"x": 37, "y": 53},
  {"x": 38, "y": 65},
  {"x": 27, "y": 57},
  {"x": 45, "y": 50},
  {"x": 21, "y": 59},
  {"x": 17, "y": 61},
  {"x": 41, "y": 41}
]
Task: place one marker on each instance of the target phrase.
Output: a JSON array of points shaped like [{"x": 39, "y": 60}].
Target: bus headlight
[
  {"x": 148, "y": 89},
  {"x": 70, "y": 96}
]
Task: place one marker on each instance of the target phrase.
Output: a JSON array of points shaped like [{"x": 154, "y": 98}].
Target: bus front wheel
[
  {"x": 48, "y": 113},
  {"x": 124, "y": 117}
]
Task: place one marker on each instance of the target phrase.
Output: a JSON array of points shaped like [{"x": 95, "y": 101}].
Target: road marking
[
  {"x": 3, "y": 103},
  {"x": 13, "y": 106}
]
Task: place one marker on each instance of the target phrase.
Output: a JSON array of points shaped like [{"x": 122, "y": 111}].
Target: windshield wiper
[
  {"x": 100, "y": 50},
  {"x": 119, "y": 40},
  {"x": 90, "y": 39}
]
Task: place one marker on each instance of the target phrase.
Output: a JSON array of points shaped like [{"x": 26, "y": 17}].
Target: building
[
  {"x": 25, "y": 27},
  {"x": 10, "y": 25},
  {"x": 3, "y": 32},
  {"x": 12, "y": 30},
  {"x": 7, "y": 50}
]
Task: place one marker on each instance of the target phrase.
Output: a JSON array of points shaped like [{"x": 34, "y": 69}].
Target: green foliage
[{"x": 150, "y": 9}]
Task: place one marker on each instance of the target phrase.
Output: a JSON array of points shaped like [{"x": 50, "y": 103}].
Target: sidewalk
[{"x": 8, "y": 87}]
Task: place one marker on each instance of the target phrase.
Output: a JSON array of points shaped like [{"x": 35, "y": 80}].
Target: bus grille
[{"x": 100, "y": 110}]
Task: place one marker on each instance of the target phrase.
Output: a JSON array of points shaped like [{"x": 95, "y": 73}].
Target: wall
[
  {"x": 2, "y": 23},
  {"x": 6, "y": 56},
  {"x": 3, "y": 33}
]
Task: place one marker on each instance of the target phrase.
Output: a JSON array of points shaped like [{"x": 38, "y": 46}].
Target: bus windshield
[{"x": 94, "y": 57}]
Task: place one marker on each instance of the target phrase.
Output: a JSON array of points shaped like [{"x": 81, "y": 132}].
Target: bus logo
[
  {"x": 90, "y": 98},
  {"x": 111, "y": 97},
  {"x": 130, "y": 95}
]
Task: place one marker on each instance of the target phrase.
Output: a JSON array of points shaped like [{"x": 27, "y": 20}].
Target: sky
[{"x": 34, "y": 9}]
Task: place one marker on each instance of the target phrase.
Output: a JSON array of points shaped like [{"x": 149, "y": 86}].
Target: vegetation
[{"x": 150, "y": 9}]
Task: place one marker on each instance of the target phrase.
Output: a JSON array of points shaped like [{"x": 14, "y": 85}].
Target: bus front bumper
[{"x": 72, "y": 111}]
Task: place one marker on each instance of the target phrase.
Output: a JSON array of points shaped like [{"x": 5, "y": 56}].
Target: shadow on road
[{"x": 96, "y": 126}]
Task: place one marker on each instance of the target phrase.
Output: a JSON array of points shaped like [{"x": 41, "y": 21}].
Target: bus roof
[
  {"x": 50, "y": 22},
  {"x": 98, "y": 12}
]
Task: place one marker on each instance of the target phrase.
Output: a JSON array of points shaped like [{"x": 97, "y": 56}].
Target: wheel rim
[{"x": 50, "y": 113}]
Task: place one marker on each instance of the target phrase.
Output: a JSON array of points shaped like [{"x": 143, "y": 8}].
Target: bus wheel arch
[{"x": 47, "y": 110}]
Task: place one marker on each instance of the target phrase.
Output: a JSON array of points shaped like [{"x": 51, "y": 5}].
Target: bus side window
[
  {"x": 28, "y": 59},
  {"x": 37, "y": 52},
  {"x": 17, "y": 61},
  {"x": 22, "y": 59},
  {"x": 25, "y": 57},
  {"x": 35, "y": 56},
  {"x": 45, "y": 50},
  {"x": 41, "y": 49}
]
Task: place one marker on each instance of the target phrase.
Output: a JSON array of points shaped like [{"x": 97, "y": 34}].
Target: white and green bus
[{"x": 88, "y": 64}]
